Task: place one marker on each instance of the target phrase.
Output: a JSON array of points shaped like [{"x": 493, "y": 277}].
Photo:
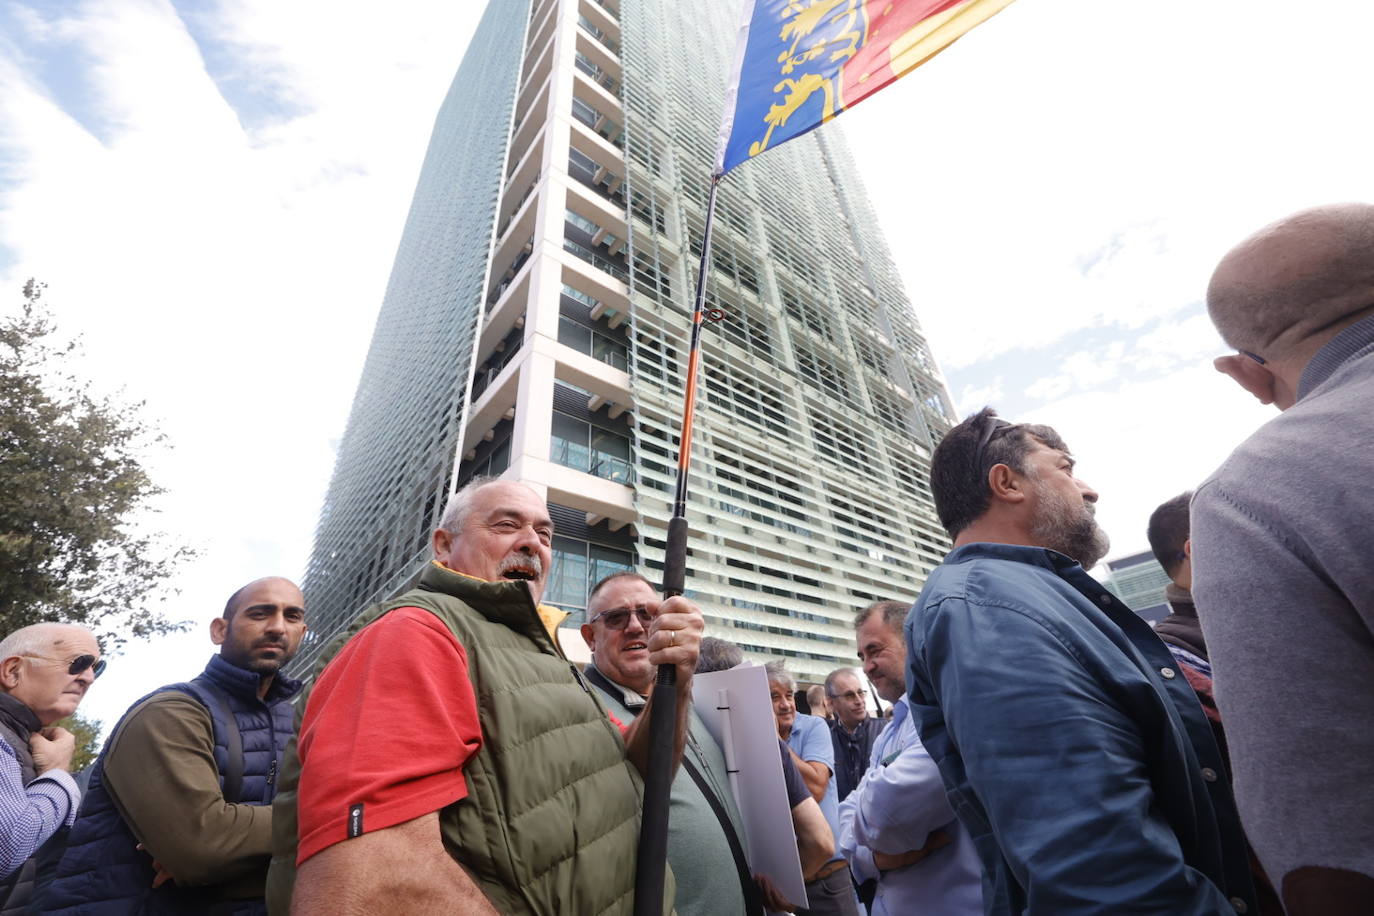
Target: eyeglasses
[
  {"x": 78, "y": 664},
  {"x": 995, "y": 425},
  {"x": 851, "y": 696},
  {"x": 619, "y": 618},
  {"x": 1255, "y": 356}
]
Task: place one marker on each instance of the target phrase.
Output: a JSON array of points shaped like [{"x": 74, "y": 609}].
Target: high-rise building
[{"x": 536, "y": 321}]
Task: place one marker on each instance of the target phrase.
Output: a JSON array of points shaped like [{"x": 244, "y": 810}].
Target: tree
[
  {"x": 71, "y": 487},
  {"x": 87, "y": 735}
]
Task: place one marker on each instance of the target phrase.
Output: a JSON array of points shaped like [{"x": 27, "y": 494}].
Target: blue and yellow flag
[{"x": 801, "y": 62}]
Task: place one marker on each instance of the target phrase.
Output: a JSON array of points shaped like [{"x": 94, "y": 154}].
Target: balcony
[
  {"x": 616, "y": 269},
  {"x": 593, "y": 460},
  {"x": 596, "y": 74},
  {"x": 607, "y": 41}
]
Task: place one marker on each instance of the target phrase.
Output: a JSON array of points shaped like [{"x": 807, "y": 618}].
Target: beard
[
  {"x": 1069, "y": 526},
  {"x": 243, "y": 657}
]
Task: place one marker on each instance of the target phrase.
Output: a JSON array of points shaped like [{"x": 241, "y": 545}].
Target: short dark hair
[
  {"x": 1168, "y": 530},
  {"x": 894, "y": 615},
  {"x": 717, "y": 655},
  {"x": 959, "y": 475},
  {"x": 622, "y": 574}
]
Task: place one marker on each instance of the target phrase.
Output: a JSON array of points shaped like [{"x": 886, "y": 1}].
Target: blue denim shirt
[{"x": 1070, "y": 746}]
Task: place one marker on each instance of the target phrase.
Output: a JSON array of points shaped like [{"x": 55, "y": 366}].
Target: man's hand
[
  {"x": 52, "y": 749},
  {"x": 675, "y": 638},
  {"x": 938, "y": 839},
  {"x": 160, "y": 873},
  {"x": 772, "y": 897}
]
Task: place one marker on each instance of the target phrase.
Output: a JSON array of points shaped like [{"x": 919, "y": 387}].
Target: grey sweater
[{"x": 1283, "y": 576}]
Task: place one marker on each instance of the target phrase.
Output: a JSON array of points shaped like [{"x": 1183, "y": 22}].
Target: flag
[{"x": 798, "y": 63}]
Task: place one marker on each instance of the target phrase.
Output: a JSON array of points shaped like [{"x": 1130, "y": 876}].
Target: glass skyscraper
[{"x": 536, "y": 322}]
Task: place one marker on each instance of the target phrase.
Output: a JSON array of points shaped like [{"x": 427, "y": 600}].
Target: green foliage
[
  {"x": 71, "y": 483},
  {"x": 87, "y": 734}
]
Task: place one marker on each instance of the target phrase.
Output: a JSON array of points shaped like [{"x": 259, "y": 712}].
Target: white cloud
[
  {"x": 1069, "y": 166},
  {"x": 229, "y": 276},
  {"x": 1146, "y": 442},
  {"x": 973, "y": 397}
]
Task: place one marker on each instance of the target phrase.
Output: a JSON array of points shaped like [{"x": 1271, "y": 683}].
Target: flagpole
[{"x": 658, "y": 780}]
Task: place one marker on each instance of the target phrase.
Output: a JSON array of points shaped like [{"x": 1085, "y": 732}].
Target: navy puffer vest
[{"x": 104, "y": 873}]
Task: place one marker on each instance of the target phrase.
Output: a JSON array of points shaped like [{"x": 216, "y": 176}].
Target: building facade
[{"x": 536, "y": 323}]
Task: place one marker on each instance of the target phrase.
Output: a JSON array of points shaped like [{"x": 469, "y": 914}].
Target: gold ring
[{"x": 672, "y": 638}]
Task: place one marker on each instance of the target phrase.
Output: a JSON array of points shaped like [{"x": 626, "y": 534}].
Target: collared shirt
[
  {"x": 30, "y": 814},
  {"x": 1071, "y": 747},
  {"x": 897, "y": 805},
  {"x": 810, "y": 739},
  {"x": 852, "y": 750}
]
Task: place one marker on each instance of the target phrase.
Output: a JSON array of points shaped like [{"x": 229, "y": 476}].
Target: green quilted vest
[{"x": 551, "y": 820}]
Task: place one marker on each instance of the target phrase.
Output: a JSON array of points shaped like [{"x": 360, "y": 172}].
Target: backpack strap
[{"x": 221, "y": 709}]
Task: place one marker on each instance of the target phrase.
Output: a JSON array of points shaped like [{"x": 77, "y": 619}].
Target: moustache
[{"x": 522, "y": 561}]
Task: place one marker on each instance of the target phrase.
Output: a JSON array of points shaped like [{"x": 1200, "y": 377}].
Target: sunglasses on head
[
  {"x": 78, "y": 664},
  {"x": 619, "y": 618},
  {"x": 995, "y": 425}
]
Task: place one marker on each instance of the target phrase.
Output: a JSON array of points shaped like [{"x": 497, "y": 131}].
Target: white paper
[{"x": 737, "y": 711}]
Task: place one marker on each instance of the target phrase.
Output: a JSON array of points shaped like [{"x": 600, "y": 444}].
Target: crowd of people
[{"x": 1045, "y": 750}]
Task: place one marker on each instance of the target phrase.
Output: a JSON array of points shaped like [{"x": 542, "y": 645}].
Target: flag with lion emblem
[{"x": 801, "y": 62}]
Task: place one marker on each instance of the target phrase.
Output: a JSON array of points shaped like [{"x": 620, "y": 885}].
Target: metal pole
[{"x": 658, "y": 781}]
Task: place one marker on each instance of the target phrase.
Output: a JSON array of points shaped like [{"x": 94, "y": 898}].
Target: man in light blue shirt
[
  {"x": 897, "y": 826},
  {"x": 828, "y": 890}
]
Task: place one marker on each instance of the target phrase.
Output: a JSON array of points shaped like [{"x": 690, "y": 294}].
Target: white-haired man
[
  {"x": 1281, "y": 570},
  {"x": 451, "y": 759},
  {"x": 45, "y": 671},
  {"x": 808, "y": 738}
]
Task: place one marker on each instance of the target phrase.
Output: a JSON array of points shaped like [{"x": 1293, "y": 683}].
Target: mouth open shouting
[{"x": 522, "y": 567}]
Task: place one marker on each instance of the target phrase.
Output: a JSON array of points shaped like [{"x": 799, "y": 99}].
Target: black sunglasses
[
  {"x": 619, "y": 618},
  {"x": 78, "y": 664},
  {"x": 995, "y": 425}
]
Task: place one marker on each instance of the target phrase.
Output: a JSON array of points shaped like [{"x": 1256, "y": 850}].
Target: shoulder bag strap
[{"x": 753, "y": 899}]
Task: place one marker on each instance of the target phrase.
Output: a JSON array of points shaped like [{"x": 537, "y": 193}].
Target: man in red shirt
[{"x": 451, "y": 759}]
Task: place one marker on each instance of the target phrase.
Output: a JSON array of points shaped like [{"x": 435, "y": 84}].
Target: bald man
[
  {"x": 1282, "y": 573},
  {"x": 178, "y": 813}
]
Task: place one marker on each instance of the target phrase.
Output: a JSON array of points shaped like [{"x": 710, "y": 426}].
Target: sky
[{"x": 214, "y": 192}]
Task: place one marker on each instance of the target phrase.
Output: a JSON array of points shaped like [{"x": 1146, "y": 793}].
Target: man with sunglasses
[
  {"x": 704, "y": 833},
  {"x": 1282, "y": 573},
  {"x": 1071, "y": 748},
  {"x": 45, "y": 670},
  {"x": 177, "y": 816}
]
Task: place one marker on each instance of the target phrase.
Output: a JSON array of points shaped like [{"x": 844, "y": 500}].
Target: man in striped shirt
[{"x": 45, "y": 671}]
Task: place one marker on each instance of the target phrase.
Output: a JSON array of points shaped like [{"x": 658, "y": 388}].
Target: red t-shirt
[
  {"x": 388, "y": 728},
  {"x": 386, "y": 732}
]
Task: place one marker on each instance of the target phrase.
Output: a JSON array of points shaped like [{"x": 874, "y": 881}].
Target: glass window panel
[
  {"x": 568, "y": 580},
  {"x": 574, "y": 335}
]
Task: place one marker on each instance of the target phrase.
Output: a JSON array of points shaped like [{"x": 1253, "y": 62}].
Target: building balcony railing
[
  {"x": 617, "y": 270},
  {"x": 593, "y": 461},
  {"x": 505, "y": 224},
  {"x": 609, "y": 43},
  {"x": 610, "y": 8},
  {"x": 508, "y": 276},
  {"x": 601, "y": 347},
  {"x": 498, "y": 361},
  {"x": 597, "y": 75}
]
